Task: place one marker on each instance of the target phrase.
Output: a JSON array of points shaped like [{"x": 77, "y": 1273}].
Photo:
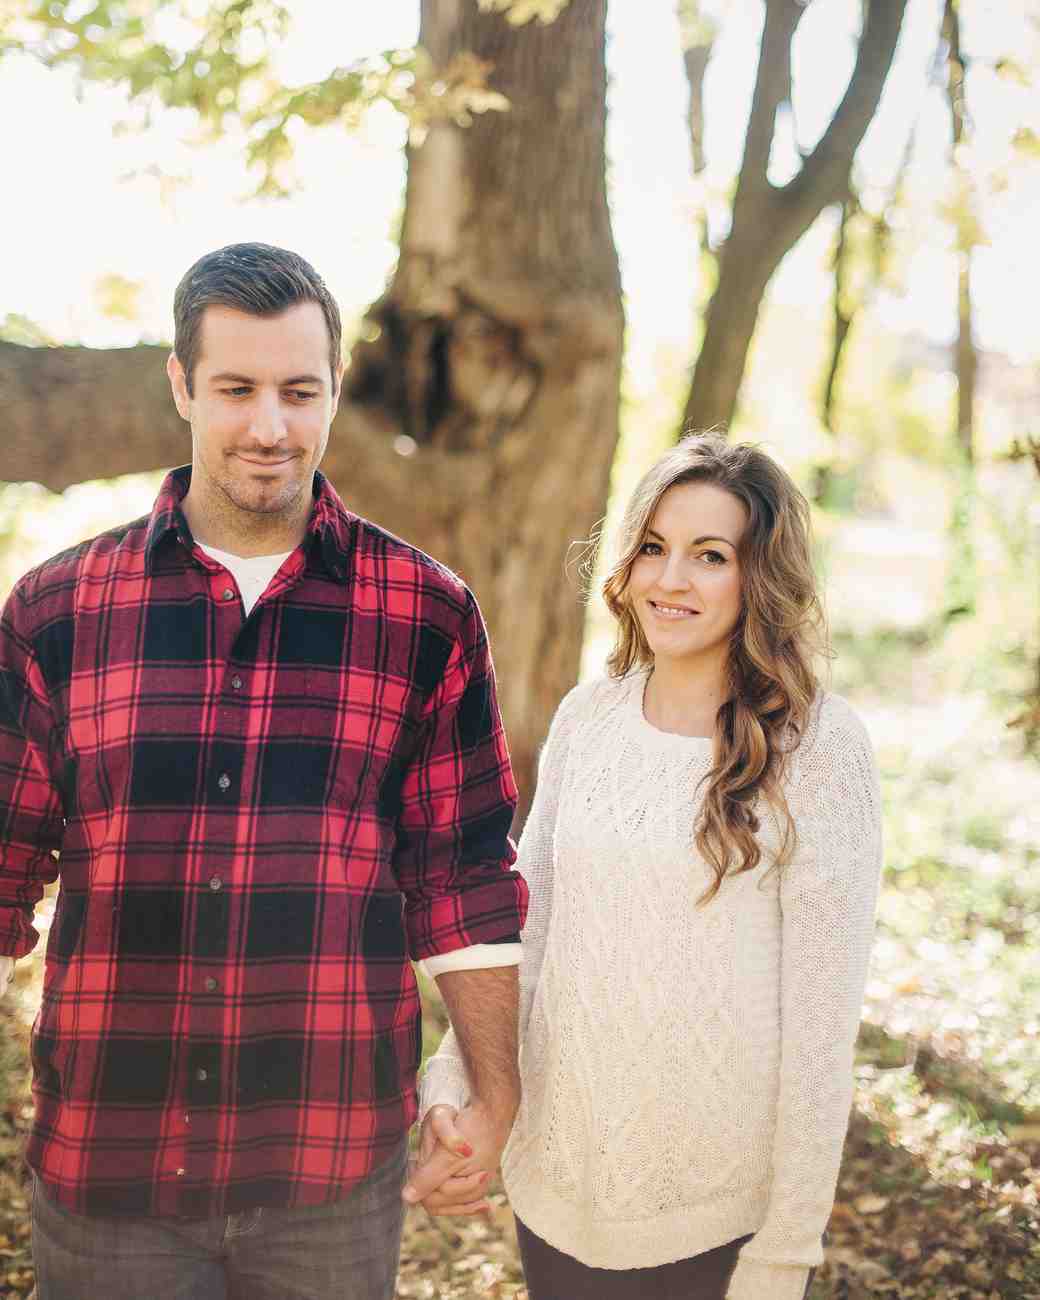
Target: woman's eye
[
  {"x": 713, "y": 557},
  {"x": 650, "y": 548}
]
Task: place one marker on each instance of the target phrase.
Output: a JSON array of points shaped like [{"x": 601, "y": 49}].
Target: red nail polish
[{"x": 466, "y": 1149}]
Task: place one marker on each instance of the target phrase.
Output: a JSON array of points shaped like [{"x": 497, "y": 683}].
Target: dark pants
[
  {"x": 552, "y": 1275},
  {"x": 347, "y": 1250}
]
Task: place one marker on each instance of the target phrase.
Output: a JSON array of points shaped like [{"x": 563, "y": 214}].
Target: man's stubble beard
[{"x": 282, "y": 502}]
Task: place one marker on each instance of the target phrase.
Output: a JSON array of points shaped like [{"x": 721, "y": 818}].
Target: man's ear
[
  {"x": 337, "y": 384},
  {"x": 179, "y": 384}
]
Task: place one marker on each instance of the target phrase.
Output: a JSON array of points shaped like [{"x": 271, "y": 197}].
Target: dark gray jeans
[{"x": 348, "y": 1250}]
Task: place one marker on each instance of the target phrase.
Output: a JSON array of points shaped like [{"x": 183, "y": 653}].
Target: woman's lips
[{"x": 667, "y": 610}]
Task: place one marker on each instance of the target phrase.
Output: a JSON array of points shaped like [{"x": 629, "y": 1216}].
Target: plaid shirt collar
[{"x": 330, "y": 529}]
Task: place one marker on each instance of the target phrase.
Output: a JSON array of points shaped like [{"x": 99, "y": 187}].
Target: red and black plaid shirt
[{"x": 257, "y": 822}]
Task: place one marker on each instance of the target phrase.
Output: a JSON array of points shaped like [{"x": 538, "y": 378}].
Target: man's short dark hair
[{"x": 255, "y": 278}]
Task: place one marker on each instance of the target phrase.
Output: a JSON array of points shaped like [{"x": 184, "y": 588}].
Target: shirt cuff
[
  {"x": 7, "y": 966},
  {"x": 477, "y": 956},
  {"x": 752, "y": 1279}
]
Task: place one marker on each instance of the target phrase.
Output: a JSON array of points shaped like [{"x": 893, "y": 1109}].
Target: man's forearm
[{"x": 484, "y": 1009}]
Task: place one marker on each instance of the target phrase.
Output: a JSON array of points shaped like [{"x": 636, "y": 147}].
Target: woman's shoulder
[
  {"x": 834, "y": 734},
  {"x": 593, "y": 699},
  {"x": 834, "y": 716}
]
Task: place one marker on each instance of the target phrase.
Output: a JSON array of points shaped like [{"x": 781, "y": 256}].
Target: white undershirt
[{"x": 253, "y": 574}]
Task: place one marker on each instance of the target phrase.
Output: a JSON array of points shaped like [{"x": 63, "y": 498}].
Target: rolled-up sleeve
[
  {"x": 31, "y": 821},
  {"x": 453, "y": 857}
]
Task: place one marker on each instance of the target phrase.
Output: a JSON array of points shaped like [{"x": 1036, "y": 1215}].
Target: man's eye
[
  {"x": 240, "y": 391},
  {"x": 301, "y": 395}
]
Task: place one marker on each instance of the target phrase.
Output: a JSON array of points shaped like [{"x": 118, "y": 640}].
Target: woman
[{"x": 703, "y": 856}]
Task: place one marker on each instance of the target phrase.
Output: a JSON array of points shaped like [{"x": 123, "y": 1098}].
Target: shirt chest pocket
[{"x": 345, "y": 736}]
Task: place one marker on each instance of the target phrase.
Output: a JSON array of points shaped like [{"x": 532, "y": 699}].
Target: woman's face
[{"x": 685, "y": 583}]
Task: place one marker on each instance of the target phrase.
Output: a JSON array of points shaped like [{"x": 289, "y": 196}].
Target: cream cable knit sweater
[{"x": 687, "y": 1072}]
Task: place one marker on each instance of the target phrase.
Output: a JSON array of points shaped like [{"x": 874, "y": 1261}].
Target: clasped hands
[{"x": 459, "y": 1152}]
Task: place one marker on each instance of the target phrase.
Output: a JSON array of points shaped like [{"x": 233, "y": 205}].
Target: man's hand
[
  {"x": 482, "y": 1004},
  {"x": 6, "y": 967},
  {"x": 445, "y": 1179}
]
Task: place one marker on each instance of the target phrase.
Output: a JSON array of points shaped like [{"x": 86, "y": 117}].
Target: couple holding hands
[{"x": 257, "y": 736}]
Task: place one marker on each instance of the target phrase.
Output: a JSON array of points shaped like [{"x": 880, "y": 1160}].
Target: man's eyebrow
[
  {"x": 697, "y": 541},
  {"x": 228, "y": 376}
]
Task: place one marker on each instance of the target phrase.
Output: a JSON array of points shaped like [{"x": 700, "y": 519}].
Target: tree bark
[
  {"x": 480, "y": 414},
  {"x": 769, "y": 220},
  {"x": 965, "y": 354},
  {"x": 962, "y": 575},
  {"x": 698, "y": 33},
  {"x": 842, "y": 315}
]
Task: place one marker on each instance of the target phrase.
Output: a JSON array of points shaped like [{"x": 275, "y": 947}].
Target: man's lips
[{"x": 264, "y": 463}]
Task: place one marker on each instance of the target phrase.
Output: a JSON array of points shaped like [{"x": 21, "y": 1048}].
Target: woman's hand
[{"x": 459, "y": 1152}]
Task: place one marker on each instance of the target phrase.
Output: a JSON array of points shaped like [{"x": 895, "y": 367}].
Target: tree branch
[
  {"x": 697, "y": 33},
  {"x": 824, "y": 178},
  {"x": 772, "y": 89}
]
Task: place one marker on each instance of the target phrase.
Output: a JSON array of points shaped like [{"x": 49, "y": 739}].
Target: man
[{"x": 258, "y": 737}]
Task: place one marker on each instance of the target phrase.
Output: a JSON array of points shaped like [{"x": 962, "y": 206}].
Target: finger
[
  {"x": 459, "y": 1191},
  {"x": 427, "y": 1142},
  {"x": 442, "y": 1122},
  {"x": 465, "y": 1188},
  {"x": 426, "y": 1177},
  {"x": 472, "y": 1207}
]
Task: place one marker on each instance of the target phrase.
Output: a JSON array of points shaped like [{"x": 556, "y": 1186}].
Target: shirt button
[
  {"x": 201, "y": 1074},
  {"x": 215, "y": 883},
  {"x": 187, "y": 1118},
  {"x": 180, "y": 1173},
  {"x": 224, "y": 781},
  {"x": 211, "y": 985},
  {"x": 236, "y": 683},
  {"x": 227, "y": 594}
]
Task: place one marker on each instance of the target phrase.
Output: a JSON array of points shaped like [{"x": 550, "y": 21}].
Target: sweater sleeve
[
  {"x": 828, "y": 894},
  {"x": 444, "y": 1081}
]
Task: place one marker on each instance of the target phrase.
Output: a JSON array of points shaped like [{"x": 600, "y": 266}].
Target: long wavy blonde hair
[{"x": 772, "y": 680}]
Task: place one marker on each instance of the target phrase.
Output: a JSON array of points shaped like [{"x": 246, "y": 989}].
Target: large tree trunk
[
  {"x": 479, "y": 419},
  {"x": 768, "y": 220}
]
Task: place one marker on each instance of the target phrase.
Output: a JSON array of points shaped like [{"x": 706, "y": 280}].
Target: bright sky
[{"x": 69, "y": 218}]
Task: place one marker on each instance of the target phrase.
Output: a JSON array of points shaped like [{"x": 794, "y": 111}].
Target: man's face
[{"x": 263, "y": 401}]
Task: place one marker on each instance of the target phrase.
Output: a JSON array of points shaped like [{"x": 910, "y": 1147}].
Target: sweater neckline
[{"x": 672, "y": 740}]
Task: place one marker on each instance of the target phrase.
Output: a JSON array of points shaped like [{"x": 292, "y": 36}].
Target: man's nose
[{"x": 268, "y": 424}]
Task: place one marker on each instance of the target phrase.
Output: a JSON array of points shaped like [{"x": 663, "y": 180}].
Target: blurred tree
[
  {"x": 1028, "y": 448},
  {"x": 767, "y": 219},
  {"x": 966, "y": 225},
  {"x": 962, "y": 576},
  {"x": 698, "y": 31},
  {"x": 858, "y": 264},
  {"x": 480, "y": 407}
]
